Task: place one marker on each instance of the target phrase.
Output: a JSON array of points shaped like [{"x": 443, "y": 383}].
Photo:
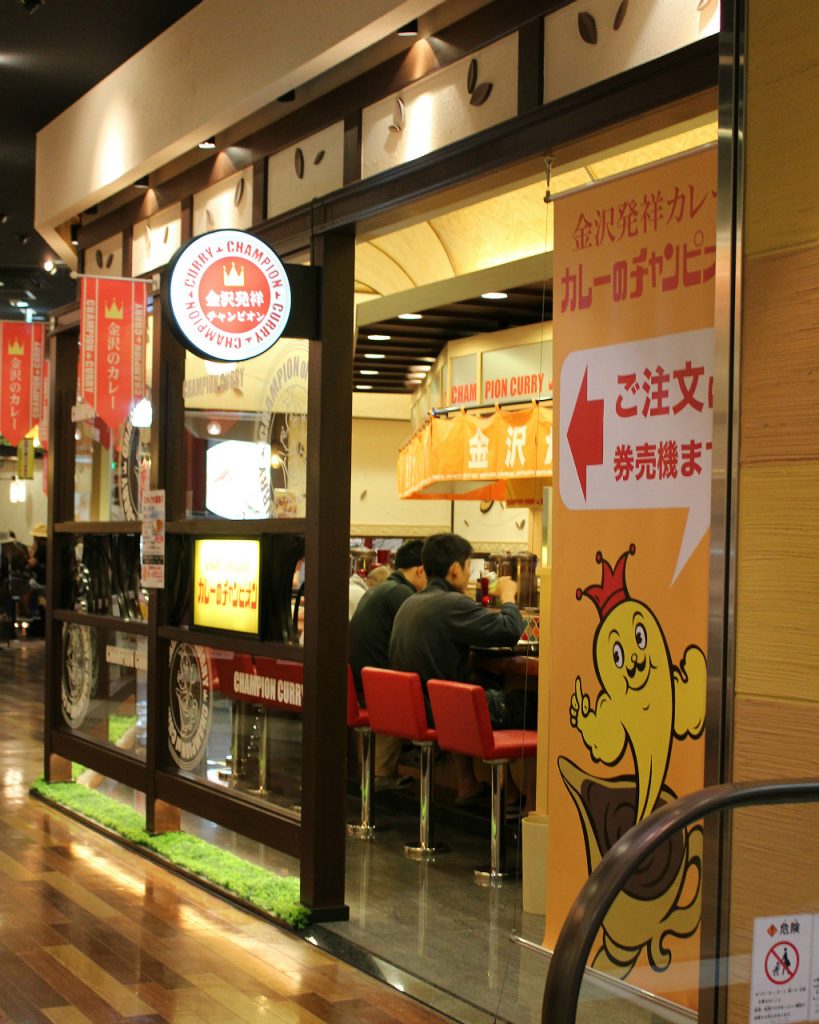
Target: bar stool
[
  {"x": 358, "y": 719},
  {"x": 395, "y": 703},
  {"x": 463, "y": 726}
]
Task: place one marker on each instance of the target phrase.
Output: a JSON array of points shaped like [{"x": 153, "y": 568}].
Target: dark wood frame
[{"x": 677, "y": 85}]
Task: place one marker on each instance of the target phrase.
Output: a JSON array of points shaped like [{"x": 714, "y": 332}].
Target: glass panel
[
  {"x": 103, "y": 688},
  {"x": 246, "y": 434},
  {"x": 647, "y": 963},
  {"x": 234, "y": 721},
  {"x": 103, "y": 575}
]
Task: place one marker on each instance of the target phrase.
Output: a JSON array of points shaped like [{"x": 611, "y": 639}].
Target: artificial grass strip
[{"x": 272, "y": 893}]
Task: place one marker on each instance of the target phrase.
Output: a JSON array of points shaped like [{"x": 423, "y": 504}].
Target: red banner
[
  {"x": 112, "y": 345},
  {"x": 45, "y": 409},
  {"x": 21, "y": 378}
]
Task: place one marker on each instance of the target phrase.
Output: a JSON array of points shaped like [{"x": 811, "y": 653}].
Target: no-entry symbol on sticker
[{"x": 782, "y": 963}]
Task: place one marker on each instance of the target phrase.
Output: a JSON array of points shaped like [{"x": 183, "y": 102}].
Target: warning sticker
[{"x": 782, "y": 969}]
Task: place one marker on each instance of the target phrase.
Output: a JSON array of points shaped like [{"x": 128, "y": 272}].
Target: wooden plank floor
[{"x": 92, "y": 932}]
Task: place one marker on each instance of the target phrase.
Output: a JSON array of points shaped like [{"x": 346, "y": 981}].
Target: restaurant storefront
[{"x": 246, "y": 463}]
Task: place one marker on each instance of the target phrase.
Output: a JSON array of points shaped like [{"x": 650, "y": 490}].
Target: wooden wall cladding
[
  {"x": 783, "y": 179},
  {"x": 778, "y": 583},
  {"x": 780, "y": 358},
  {"x": 773, "y": 869}
]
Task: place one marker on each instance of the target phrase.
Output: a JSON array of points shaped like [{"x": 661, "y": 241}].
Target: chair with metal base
[
  {"x": 395, "y": 703},
  {"x": 358, "y": 719},
  {"x": 463, "y": 726}
]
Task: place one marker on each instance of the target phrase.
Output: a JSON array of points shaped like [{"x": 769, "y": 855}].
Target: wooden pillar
[{"x": 329, "y": 429}]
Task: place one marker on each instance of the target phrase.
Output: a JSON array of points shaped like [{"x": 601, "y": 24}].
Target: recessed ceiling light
[
  {"x": 374, "y": 355},
  {"x": 494, "y": 295},
  {"x": 427, "y": 359},
  {"x": 379, "y": 337},
  {"x": 363, "y": 387},
  {"x": 420, "y": 368},
  {"x": 410, "y": 316},
  {"x": 368, "y": 373},
  {"x": 21, "y": 304},
  {"x": 208, "y": 143}
]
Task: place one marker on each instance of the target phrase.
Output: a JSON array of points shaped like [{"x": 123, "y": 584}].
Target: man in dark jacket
[
  {"x": 370, "y": 629},
  {"x": 434, "y": 632}
]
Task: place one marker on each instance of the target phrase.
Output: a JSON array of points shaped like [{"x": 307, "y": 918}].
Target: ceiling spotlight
[
  {"x": 4, "y": 218},
  {"x": 374, "y": 355},
  {"x": 363, "y": 387},
  {"x": 141, "y": 182},
  {"x": 420, "y": 368},
  {"x": 368, "y": 373},
  {"x": 75, "y": 234},
  {"x": 410, "y": 29},
  {"x": 410, "y": 316},
  {"x": 21, "y": 304},
  {"x": 48, "y": 266},
  {"x": 287, "y": 97},
  {"x": 208, "y": 143},
  {"x": 427, "y": 359},
  {"x": 379, "y": 337},
  {"x": 214, "y": 428},
  {"x": 494, "y": 295}
]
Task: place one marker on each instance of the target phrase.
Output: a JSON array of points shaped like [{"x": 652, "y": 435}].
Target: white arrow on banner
[{"x": 636, "y": 429}]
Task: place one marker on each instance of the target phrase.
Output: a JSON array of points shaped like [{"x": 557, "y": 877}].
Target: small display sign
[
  {"x": 153, "y": 539},
  {"x": 228, "y": 296},
  {"x": 226, "y": 584}
]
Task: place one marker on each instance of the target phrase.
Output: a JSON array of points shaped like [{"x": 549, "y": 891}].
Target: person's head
[
  {"x": 409, "y": 562},
  {"x": 377, "y": 575},
  {"x": 446, "y": 557}
]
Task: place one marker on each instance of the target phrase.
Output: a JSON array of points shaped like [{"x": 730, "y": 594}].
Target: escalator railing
[{"x": 570, "y": 957}]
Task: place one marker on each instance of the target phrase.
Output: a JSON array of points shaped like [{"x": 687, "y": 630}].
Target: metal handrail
[{"x": 586, "y": 915}]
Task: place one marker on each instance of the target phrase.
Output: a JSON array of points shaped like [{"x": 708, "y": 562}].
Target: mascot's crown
[{"x": 612, "y": 589}]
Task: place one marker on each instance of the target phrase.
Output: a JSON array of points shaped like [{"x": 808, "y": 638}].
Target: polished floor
[{"x": 90, "y": 932}]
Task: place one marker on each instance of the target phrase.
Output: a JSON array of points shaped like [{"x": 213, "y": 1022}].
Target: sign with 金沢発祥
[
  {"x": 228, "y": 296},
  {"x": 226, "y": 584}
]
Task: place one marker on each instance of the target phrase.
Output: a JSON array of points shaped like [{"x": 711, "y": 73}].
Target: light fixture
[
  {"x": 410, "y": 29},
  {"x": 141, "y": 182},
  {"x": 142, "y": 414},
  {"x": 374, "y": 355},
  {"x": 379, "y": 337},
  {"x": 427, "y": 359},
  {"x": 494, "y": 295},
  {"x": 275, "y": 461},
  {"x": 420, "y": 368},
  {"x": 363, "y": 387},
  {"x": 75, "y": 234},
  {"x": 214, "y": 428},
  {"x": 4, "y": 218},
  {"x": 208, "y": 143},
  {"x": 410, "y": 316},
  {"x": 21, "y": 304},
  {"x": 29, "y": 316},
  {"x": 368, "y": 373},
  {"x": 17, "y": 491},
  {"x": 36, "y": 442},
  {"x": 48, "y": 266}
]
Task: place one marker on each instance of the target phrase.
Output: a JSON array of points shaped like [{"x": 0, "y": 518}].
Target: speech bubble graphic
[{"x": 636, "y": 429}]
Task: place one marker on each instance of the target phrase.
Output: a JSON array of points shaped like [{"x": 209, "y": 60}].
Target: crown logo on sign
[
  {"x": 113, "y": 311},
  {"x": 16, "y": 348},
  {"x": 233, "y": 278},
  {"x": 612, "y": 589}
]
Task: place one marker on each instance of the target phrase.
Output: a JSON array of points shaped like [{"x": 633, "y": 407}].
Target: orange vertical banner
[
  {"x": 112, "y": 345},
  {"x": 22, "y": 348},
  {"x": 634, "y": 272}
]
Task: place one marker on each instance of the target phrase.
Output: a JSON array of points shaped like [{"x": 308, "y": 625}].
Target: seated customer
[
  {"x": 434, "y": 632},
  {"x": 370, "y": 629}
]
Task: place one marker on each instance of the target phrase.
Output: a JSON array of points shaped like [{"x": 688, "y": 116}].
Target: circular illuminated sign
[{"x": 228, "y": 296}]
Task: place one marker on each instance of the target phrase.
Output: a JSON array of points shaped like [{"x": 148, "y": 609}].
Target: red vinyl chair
[
  {"x": 395, "y": 703},
  {"x": 462, "y": 723},
  {"x": 358, "y": 718}
]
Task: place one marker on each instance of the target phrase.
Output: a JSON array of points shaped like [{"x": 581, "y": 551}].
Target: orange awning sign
[{"x": 469, "y": 455}]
